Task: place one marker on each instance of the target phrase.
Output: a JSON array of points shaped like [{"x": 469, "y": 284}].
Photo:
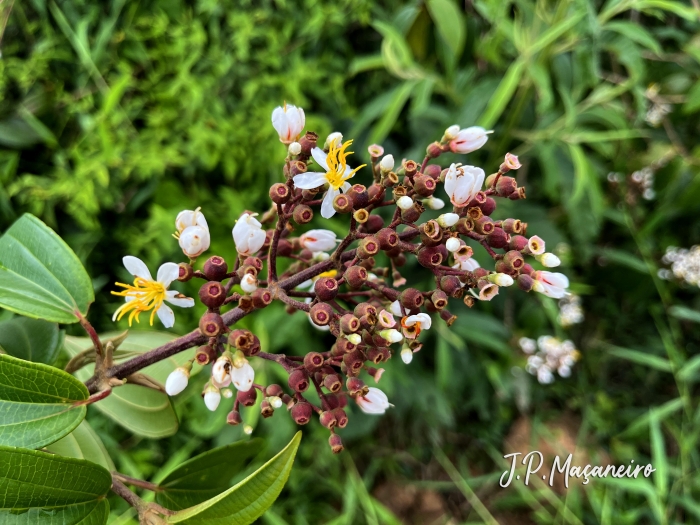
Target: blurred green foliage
[{"x": 115, "y": 116}]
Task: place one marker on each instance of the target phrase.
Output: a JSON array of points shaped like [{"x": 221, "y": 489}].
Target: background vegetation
[{"x": 116, "y": 115}]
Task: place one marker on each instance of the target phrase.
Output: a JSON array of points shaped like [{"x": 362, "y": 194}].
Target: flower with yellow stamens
[
  {"x": 147, "y": 294},
  {"x": 336, "y": 175}
]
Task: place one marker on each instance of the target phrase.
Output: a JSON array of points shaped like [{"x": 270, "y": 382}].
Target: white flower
[
  {"x": 527, "y": 345},
  {"x": 549, "y": 260},
  {"x": 404, "y": 202},
  {"x": 387, "y": 163},
  {"x": 462, "y": 183},
  {"x": 447, "y": 220},
  {"x": 212, "y": 397},
  {"x": 501, "y": 279},
  {"x": 221, "y": 372},
  {"x": 392, "y": 335},
  {"x": 148, "y": 294},
  {"x": 336, "y": 175},
  {"x": 249, "y": 283},
  {"x": 406, "y": 355},
  {"x": 335, "y": 138},
  {"x": 294, "y": 148},
  {"x": 544, "y": 375},
  {"x": 386, "y": 319},
  {"x": 187, "y": 218},
  {"x": 375, "y": 402},
  {"x": 433, "y": 203},
  {"x": 451, "y": 132},
  {"x": 551, "y": 284},
  {"x": 177, "y": 381},
  {"x": 413, "y": 324},
  {"x": 248, "y": 235},
  {"x": 468, "y": 265},
  {"x": 535, "y": 245},
  {"x": 452, "y": 244},
  {"x": 288, "y": 121},
  {"x": 318, "y": 240},
  {"x": 192, "y": 232},
  {"x": 469, "y": 139},
  {"x": 242, "y": 377},
  {"x": 395, "y": 308}
]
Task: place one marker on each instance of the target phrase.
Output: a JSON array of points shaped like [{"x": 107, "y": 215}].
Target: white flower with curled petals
[
  {"x": 318, "y": 240},
  {"x": 336, "y": 175},
  {"x": 288, "y": 121},
  {"x": 551, "y": 284},
  {"x": 462, "y": 183},
  {"x": 192, "y": 232},
  {"x": 468, "y": 139},
  {"x": 248, "y": 235},
  {"x": 375, "y": 402},
  {"x": 413, "y": 324},
  {"x": 148, "y": 294},
  {"x": 221, "y": 371}
]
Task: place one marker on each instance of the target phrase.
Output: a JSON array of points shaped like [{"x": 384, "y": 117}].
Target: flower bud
[
  {"x": 327, "y": 419},
  {"x": 452, "y": 244},
  {"x": 354, "y": 339},
  {"x": 406, "y": 355},
  {"x": 433, "y": 203},
  {"x": 249, "y": 283},
  {"x": 248, "y": 397},
  {"x": 355, "y": 276},
  {"x": 410, "y": 299},
  {"x": 313, "y": 361},
  {"x": 294, "y": 148},
  {"x": 177, "y": 380},
  {"x": 387, "y": 163},
  {"x": 434, "y": 150},
  {"x": 439, "y": 299},
  {"x": 275, "y": 401},
  {"x": 431, "y": 256},
  {"x": 335, "y": 443},
  {"x": 424, "y": 185},
  {"x": 274, "y": 391},
  {"x": 501, "y": 279},
  {"x": 334, "y": 139},
  {"x": 359, "y": 196},
  {"x": 525, "y": 282},
  {"x": 369, "y": 247},
  {"x": 548, "y": 259},
  {"x": 321, "y": 314},
  {"x": 488, "y": 207},
  {"x": 373, "y": 225},
  {"x": 505, "y": 186},
  {"x": 342, "y": 203},
  {"x": 326, "y": 288},
  {"x": 301, "y": 413},
  {"x": 298, "y": 380},
  {"x": 447, "y": 220},
  {"x": 185, "y": 272},
  {"x": 308, "y": 142},
  {"x": 332, "y": 383},
  {"x": 211, "y": 324},
  {"x": 391, "y": 335},
  {"x": 517, "y": 243},
  {"x": 404, "y": 202},
  {"x": 215, "y": 269},
  {"x": 498, "y": 238},
  {"x": 212, "y": 397},
  {"x": 234, "y": 418},
  {"x": 262, "y": 297},
  {"x": 349, "y": 324},
  {"x": 451, "y": 132},
  {"x": 212, "y": 294}
]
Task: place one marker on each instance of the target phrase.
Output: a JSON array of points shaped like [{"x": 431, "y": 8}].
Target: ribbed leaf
[
  {"x": 37, "y": 488},
  {"x": 83, "y": 443},
  {"x": 40, "y": 276},
  {"x": 33, "y": 340},
  {"x": 37, "y": 403},
  {"x": 249, "y": 499}
]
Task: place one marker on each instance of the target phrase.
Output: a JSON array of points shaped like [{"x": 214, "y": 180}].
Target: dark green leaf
[
  {"x": 30, "y": 339},
  {"x": 83, "y": 443},
  {"x": 37, "y": 403}
]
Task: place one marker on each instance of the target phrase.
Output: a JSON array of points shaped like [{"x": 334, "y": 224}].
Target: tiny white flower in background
[
  {"x": 469, "y": 139},
  {"x": 551, "y": 284},
  {"x": 404, "y": 202},
  {"x": 433, "y": 203},
  {"x": 375, "y": 402},
  {"x": 242, "y": 377},
  {"x": 544, "y": 375},
  {"x": 535, "y": 245},
  {"x": 249, "y": 283},
  {"x": 451, "y": 132},
  {"x": 453, "y": 244},
  {"x": 462, "y": 183},
  {"x": 570, "y": 310},
  {"x": 392, "y": 335},
  {"x": 212, "y": 397},
  {"x": 248, "y": 235},
  {"x": 275, "y": 401},
  {"x": 527, "y": 345},
  {"x": 548, "y": 259},
  {"x": 355, "y": 339},
  {"x": 406, "y": 355},
  {"x": 336, "y": 175},
  {"x": 294, "y": 148},
  {"x": 447, "y": 220},
  {"x": 318, "y": 240},
  {"x": 395, "y": 308},
  {"x": 177, "y": 381},
  {"x": 564, "y": 370},
  {"x": 192, "y": 232},
  {"x": 247, "y": 429},
  {"x": 335, "y": 138},
  {"x": 501, "y": 279},
  {"x": 149, "y": 294},
  {"x": 288, "y": 121},
  {"x": 221, "y": 371},
  {"x": 413, "y": 324},
  {"x": 387, "y": 163},
  {"x": 386, "y": 319}
]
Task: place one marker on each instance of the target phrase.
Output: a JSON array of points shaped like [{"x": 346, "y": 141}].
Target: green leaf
[
  {"x": 37, "y": 403},
  {"x": 686, "y": 314},
  {"x": 690, "y": 369},
  {"x": 397, "y": 56},
  {"x": 141, "y": 410},
  {"x": 206, "y": 475},
  {"x": 83, "y": 443},
  {"x": 30, "y": 339},
  {"x": 40, "y": 276},
  {"x": 501, "y": 97},
  {"x": 245, "y": 502},
  {"x": 652, "y": 361},
  {"x": 635, "y": 32},
  {"x": 624, "y": 258},
  {"x": 450, "y": 24},
  {"x": 39, "y": 488},
  {"x": 658, "y": 454}
]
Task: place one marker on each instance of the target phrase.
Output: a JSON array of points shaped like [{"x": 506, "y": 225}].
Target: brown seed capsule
[
  {"x": 279, "y": 193},
  {"x": 411, "y": 298},
  {"x": 413, "y": 213},
  {"x": 266, "y": 409},
  {"x": 512, "y": 226},
  {"x": 326, "y": 288},
  {"x": 387, "y": 238},
  {"x": 341, "y": 417},
  {"x": 358, "y": 194},
  {"x": 430, "y": 233},
  {"x": 361, "y": 216},
  {"x": 431, "y": 256},
  {"x": 284, "y": 248},
  {"x": 307, "y": 143},
  {"x": 376, "y": 192},
  {"x": 245, "y": 303},
  {"x": 469, "y": 300},
  {"x": 434, "y": 150},
  {"x": 234, "y": 418},
  {"x": 298, "y": 380},
  {"x": 390, "y": 179},
  {"x": 355, "y": 276},
  {"x": 185, "y": 272},
  {"x": 498, "y": 238},
  {"x": 399, "y": 259},
  {"x": 424, "y": 185},
  {"x": 464, "y": 225},
  {"x": 448, "y": 317},
  {"x": 302, "y": 214},
  {"x": 343, "y": 346},
  {"x": 262, "y": 297},
  {"x": 205, "y": 355},
  {"x": 373, "y": 225},
  {"x": 215, "y": 268},
  {"x": 327, "y": 419},
  {"x": 432, "y": 171},
  {"x": 513, "y": 260},
  {"x": 332, "y": 383},
  {"x": 368, "y": 321},
  {"x": 301, "y": 413},
  {"x": 451, "y": 285},
  {"x": 274, "y": 390},
  {"x": 336, "y": 443},
  {"x": 439, "y": 299},
  {"x": 369, "y": 247},
  {"x": 212, "y": 294},
  {"x": 247, "y": 398},
  {"x": 478, "y": 200},
  {"x": 525, "y": 282},
  {"x": 505, "y": 186},
  {"x": 247, "y": 268},
  {"x": 313, "y": 361},
  {"x": 349, "y": 324},
  {"x": 518, "y": 194},
  {"x": 517, "y": 242},
  {"x": 376, "y": 355},
  {"x": 365, "y": 309},
  {"x": 211, "y": 324},
  {"x": 342, "y": 203},
  {"x": 484, "y": 225},
  {"x": 410, "y": 167},
  {"x": 354, "y": 361},
  {"x": 321, "y": 314},
  {"x": 309, "y": 195}
]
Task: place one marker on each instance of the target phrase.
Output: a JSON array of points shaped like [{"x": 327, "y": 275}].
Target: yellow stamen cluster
[
  {"x": 337, "y": 165},
  {"x": 147, "y": 295}
]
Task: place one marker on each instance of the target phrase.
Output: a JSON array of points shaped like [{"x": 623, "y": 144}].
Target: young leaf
[
  {"x": 450, "y": 24},
  {"x": 30, "y": 339},
  {"x": 40, "y": 488},
  {"x": 83, "y": 443},
  {"x": 206, "y": 475},
  {"x": 245, "y": 502},
  {"x": 40, "y": 276},
  {"x": 37, "y": 403}
]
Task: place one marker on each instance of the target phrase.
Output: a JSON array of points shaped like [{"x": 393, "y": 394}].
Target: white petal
[
  {"x": 166, "y": 315},
  {"x": 327, "y": 209},
  {"x": 346, "y": 185},
  {"x": 320, "y": 157},
  {"x": 242, "y": 378},
  {"x": 137, "y": 267},
  {"x": 167, "y": 273},
  {"x": 176, "y": 382},
  {"x": 309, "y": 181},
  {"x": 182, "y": 302}
]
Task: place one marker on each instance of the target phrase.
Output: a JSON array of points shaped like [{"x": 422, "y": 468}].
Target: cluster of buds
[
  {"x": 685, "y": 265},
  {"x": 547, "y": 355},
  {"x": 352, "y": 286}
]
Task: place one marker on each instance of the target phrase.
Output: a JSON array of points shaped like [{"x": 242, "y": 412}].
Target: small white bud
[
  {"x": 212, "y": 397},
  {"x": 275, "y": 401},
  {"x": 227, "y": 393},
  {"x": 392, "y": 335},
  {"x": 453, "y": 244},
  {"x": 248, "y": 429},
  {"x": 433, "y": 203},
  {"x": 447, "y": 220},
  {"x": 387, "y": 163},
  {"x": 501, "y": 279},
  {"x": 406, "y": 355},
  {"x": 294, "y": 148},
  {"x": 320, "y": 256},
  {"x": 335, "y": 138},
  {"x": 249, "y": 283},
  {"x": 177, "y": 381},
  {"x": 404, "y": 202},
  {"x": 451, "y": 132},
  {"x": 549, "y": 260},
  {"x": 355, "y": 339}
]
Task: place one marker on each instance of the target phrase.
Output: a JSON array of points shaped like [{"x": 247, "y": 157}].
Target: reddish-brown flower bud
[
  {"x": 518, "y": 194},
  {"x": 284, "y": 248},
  {"x": 517, "y": 242},
  {"x": 464, "y": 225},
  {"x": 355, "y": 276},
  {"x": 424, "y": 185},
  {"x": 478, "y": 200},
  {"x": 248, "y": 397},
  {"x": 342, "y": 203},
  {"x": 369, "y": 247},
  {"x": 451, "y": 285},
  {"x": 298, "y": 380},
  {"x": 343, "y": 346},
  {"x": 186, "y": 272},
  {"x": 313, "y": 361},
  {"x": 448, "y": 317},
  {"x": 354, "y": 361},
  {"x": 512, "y": 226},
  {"x": 480, "y": 272},
  {"x": 387, "y": 238},
  {"x": 489, "y": 206},
  {"x": 327, "y": 419},
  {"x": 513, "y": 260},
  {"x": 307, "y": 143},
  {"x": 498, "y": 238},
  {"x": 349, "y": 324},
  {"x": 358, "y": 194},
  {"x": 528, "y": 270},
  {"x": 431, "y": 256},
  {"x": 309, "y": 195},
  {"x": 212, "y": 294},
  {"x": 505, "y": 186},
  {"x": 390, "y": 179},
  {"x": 279, "y": 193},
  {"x": 262, "y": 297},
  {"x": 266, "y": 409},
  {"x": 234, "y": 418},
  {"x": 376, "y": 192},
  {"x": 211, "y": 324},
  {"x": 215, "y": 268},
  {"x": 321, "y": 314},
  {"x": 205, "y": 355},
  {"x": 296, "y": 167},
  {"x": 336, "y": 443},
  {"x": 301, "y": 413},
  {"x": 326, "y": 288},
  {"x": 302, "y": 214},
  {"x": 413, "y": 213},
  {"x": 484, "y": 225},
  {"x": 434, "y": 150},
  {"x": 373, "y": 225},
  {"x": 439, "y": 299},
  {"x": 411, "y": 298},
  {"x": 332, "y": 383},
  {"x": 432, "y": 171},
  {"x": 355, "y": 386},
  {"x": 274, "y": 390},
  {"x": 525, "y": 282}
]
